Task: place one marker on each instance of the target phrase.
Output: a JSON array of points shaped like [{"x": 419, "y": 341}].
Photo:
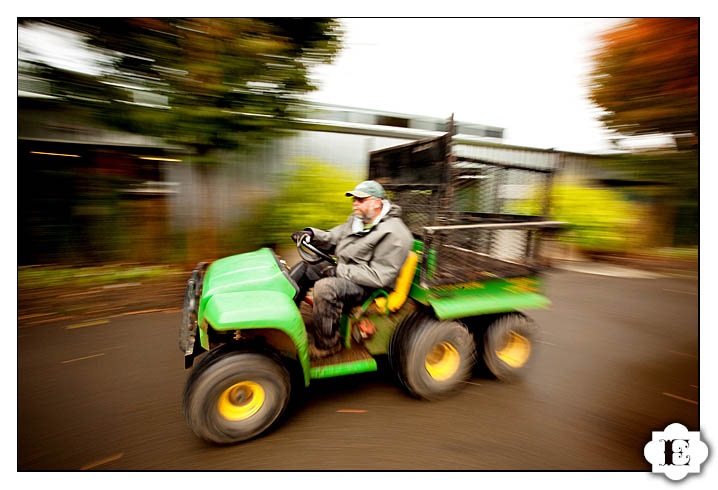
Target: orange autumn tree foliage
[{"x": 646, "y": 78}]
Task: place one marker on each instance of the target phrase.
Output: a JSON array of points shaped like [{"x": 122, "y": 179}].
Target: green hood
[{"x": 254, "y": 271}]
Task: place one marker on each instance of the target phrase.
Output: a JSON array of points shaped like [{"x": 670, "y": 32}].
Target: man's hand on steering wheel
[
  {"x": 307, "y": 251},
  {"x": 298, "y": 235}
]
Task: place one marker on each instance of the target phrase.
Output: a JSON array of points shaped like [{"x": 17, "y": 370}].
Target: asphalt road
[{"x": 618, "y": 358}]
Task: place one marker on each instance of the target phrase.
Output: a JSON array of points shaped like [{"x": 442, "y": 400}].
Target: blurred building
[{"x": 88, "y": 192}]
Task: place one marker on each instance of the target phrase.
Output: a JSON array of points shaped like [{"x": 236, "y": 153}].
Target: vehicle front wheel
[
  {"x": 432, "y": 358},
  {"x": 236, "y": 397}
]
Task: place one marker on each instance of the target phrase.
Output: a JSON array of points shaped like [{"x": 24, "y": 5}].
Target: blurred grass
[
  {"x": 683, "y": 253},
  {"x": 49, "y": 276}
]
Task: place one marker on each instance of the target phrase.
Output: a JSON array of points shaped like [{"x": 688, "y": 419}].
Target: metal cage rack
[{"x": 477, "y": 219}]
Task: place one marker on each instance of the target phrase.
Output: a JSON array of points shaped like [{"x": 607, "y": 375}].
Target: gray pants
[{"x": 331, "y": 296}]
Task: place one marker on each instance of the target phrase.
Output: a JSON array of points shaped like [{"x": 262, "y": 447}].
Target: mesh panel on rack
[
  {"x": 525, "y": 186},
  {"x": 475, "y": 187},
  {"x": 486, "y": 188},
  {"x": 419, "y": 206},
  {"x": 467, "y": 255}
]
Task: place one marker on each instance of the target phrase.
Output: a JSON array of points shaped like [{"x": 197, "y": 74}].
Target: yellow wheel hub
[
  {"x": 516, "y": 351},
  {"x": 442, "y": 362},
  {"x": 241, "y": 400}
]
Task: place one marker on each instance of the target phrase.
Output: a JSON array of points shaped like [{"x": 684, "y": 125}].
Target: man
[{"x": 370, "y": 247}]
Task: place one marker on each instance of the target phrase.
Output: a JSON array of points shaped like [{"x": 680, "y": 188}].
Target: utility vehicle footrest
[{"x": 346, "y": 361}]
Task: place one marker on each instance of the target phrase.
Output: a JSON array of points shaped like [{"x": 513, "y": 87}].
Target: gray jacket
[{"x": 371, "y": 257}]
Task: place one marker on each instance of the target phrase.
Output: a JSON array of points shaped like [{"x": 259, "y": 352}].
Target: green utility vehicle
[{"x": 458, "y": 299}]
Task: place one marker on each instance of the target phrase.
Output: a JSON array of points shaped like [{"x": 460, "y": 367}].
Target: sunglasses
[{"x": 361, "y": 199}]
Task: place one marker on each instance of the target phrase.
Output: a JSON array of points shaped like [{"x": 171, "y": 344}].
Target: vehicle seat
[{"x": 395, "y": 299}]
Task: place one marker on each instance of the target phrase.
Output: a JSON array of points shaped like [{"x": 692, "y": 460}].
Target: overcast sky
[{"x": 525, "y": 75}]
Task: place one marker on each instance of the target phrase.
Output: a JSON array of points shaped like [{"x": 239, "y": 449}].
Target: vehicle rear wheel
[
  {"x": 236, "y": 397},
  {"x": 432, "y": 358},
  {"x": 508, "y": 346}
]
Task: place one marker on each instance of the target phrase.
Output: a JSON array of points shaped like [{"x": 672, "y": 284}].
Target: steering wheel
[{"x": 311, "y": 254}]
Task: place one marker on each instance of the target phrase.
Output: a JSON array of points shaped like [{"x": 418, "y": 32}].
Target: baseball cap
[{"x": 366, "y": 189}]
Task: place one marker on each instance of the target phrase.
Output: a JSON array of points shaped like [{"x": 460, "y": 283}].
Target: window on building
[
  {"x": 495, "y": 133},
  {"x": 398, "y": 122}
]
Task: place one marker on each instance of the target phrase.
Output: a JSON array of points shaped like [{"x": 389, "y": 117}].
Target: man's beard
[{"x": 365, "y": 216}]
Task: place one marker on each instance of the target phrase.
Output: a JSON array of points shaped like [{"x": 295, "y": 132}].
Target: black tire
[
  {"x": 236, "y": 396},
  {"x": 394, "y": 351},
  {"x": 431, "y": 358},
  {"x": 188, "y": 327},
  {"x": 508, "y": 346}
]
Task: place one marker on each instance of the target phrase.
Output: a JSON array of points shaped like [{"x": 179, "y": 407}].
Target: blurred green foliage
[
  {"x": 600, "y": 220},
  {"x": 669, "y": 177},
  {"x": 216, "y": 83},
  {"x": 312, "y": 193},
  {"x": 674, "y": 173}
]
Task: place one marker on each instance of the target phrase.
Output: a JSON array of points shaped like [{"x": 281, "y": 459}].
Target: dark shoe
[{"x": 319, "y": 353}]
